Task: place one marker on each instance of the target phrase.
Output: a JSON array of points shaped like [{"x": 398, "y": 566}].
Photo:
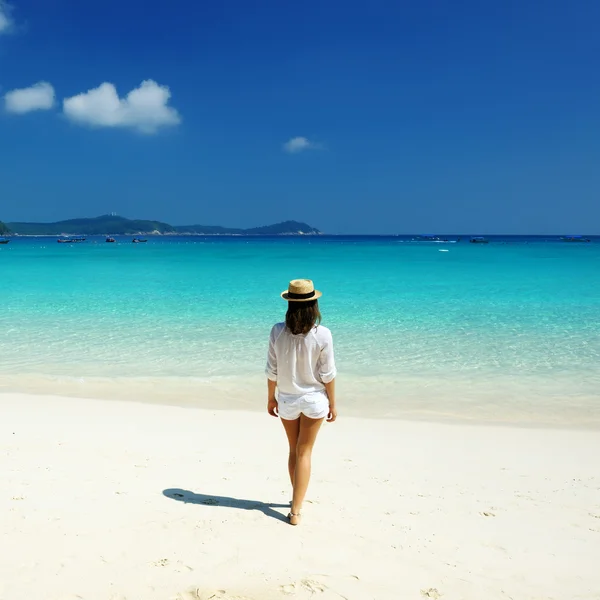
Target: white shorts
[{"x": 313, "y": 406}]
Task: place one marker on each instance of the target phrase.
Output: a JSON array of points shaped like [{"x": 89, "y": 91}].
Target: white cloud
[
  {"x": 144, "y": 108},
  {"x": 37, "y": 97},
  {"x": 299, "y": 144},
  {"x": 6, "y": 22}
]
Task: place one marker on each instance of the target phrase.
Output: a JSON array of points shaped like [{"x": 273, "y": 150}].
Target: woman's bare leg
[
  {"x": 304, "y": 447},
  {"x": 292, "y": 430}
]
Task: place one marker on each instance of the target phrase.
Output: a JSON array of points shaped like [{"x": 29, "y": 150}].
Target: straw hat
[{"x": 301, "y": 290}]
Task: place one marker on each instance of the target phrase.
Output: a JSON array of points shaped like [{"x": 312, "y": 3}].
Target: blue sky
[{"x": 429, "y": 116}]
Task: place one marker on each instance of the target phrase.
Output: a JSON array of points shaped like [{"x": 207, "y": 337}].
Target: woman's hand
[
  {"x": 332, "y": 416},
  {"x": 330, "y": 391},
  {"x": 271, "y": 401},
  {"x": 272, "y": 407}
]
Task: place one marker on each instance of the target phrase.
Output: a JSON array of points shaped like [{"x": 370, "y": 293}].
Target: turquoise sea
[{"x": 503, "y": 332}]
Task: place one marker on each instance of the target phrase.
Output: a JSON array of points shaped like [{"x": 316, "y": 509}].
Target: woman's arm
[
  {"x": 271, "y": 401},
  {"x": 330, "y": 389},
  {"x": 271, "y": 372},
  {"x": 328, "y": 372}
]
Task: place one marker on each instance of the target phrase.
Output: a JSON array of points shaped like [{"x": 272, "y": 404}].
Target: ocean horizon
[
  {"x": 505, "y": 332},
  {"x": 408, "y": 237}
]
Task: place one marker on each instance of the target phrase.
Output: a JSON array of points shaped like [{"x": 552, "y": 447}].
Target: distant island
[{"x": 115, "y": 225}]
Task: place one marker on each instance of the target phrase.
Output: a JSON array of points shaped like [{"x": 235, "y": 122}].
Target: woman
[{"x": 301, "y": 367}]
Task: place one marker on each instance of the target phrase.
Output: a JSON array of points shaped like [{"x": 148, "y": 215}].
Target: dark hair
[{"x": 301, "y": 317}]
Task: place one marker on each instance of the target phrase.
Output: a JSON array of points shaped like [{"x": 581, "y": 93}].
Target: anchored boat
[
  {"x": 575, "y": 238},
  {"x": 70, "y": 240},
  {"x": 434, "y": 239}
]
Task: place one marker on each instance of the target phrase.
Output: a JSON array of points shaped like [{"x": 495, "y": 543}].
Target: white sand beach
[{"x": 121, "y": 501}]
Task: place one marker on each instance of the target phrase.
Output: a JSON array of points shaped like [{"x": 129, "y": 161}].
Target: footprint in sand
[
  {"x": 431, "y": 593},
  {"x": 192, "y": 594},
  {"x": 198, "y": 594},
  {"x": 221, "y": 595},
  {"x": 309, "y": 585},
  {"x": 178, "y": 567},
  {"x": 312, "y": 586},
  {"x": 163, "y": 562},
  {"x": 487, "y": 514},
  {"x": 289, "y": 589}
]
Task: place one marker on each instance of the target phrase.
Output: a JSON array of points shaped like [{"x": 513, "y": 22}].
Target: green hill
[
  {"x": 285, "y": 228},
  {"x": 4, "y": 230},
  {"x": 107, "y": 224},
  {"x": 207, "y": 230},
  {"x": 114, "y": 225}
]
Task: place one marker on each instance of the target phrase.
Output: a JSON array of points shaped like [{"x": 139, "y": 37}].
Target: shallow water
[{"x": 508, "y": 331}]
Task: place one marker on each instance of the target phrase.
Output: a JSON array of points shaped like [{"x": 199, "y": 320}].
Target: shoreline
[
  {"x": 124, "y": 500},
  {"x": 433, "y": 418},
  {"x": 522, "y": 403}
]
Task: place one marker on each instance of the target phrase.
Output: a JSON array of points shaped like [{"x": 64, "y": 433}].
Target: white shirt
[{"x": 300, "y": 364}]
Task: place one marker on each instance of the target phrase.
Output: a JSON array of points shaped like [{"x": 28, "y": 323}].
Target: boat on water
[
  {"x": 575, "y": 238},
  {"x": 138, "y": 241},
  {"x": 479, "y": 240},
  {"x": 70, "y": 240},
  {"x": 434, "y": 239},
  {"x": 110, "y": 239},
  {"x": 4, "y": 240}
]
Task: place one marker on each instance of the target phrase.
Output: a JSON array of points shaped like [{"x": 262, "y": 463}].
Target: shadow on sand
[{"x": 208, "y": 500}]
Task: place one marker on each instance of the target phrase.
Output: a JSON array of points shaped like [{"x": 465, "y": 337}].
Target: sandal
[{"x": 294, "y": 518}]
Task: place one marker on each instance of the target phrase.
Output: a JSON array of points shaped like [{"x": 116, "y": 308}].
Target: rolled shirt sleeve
[
  {"x": 326, "y": 364},
  {"x": 271, "y": 368}
]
